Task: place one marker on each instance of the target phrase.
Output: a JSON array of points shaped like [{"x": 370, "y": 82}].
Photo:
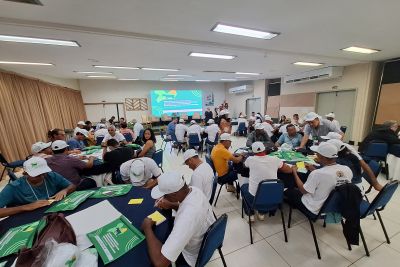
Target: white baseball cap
[
  {"x": 332, "y": 135},
  {"x": 267, "y": 118},
  {"x": 192, "y": 122},
  {"x": 39, "y": 146},
  {"x": 259, "y": 126},
  {"x": 326, "y": 149},
  {"x": 210, "y": 121},
  {"x": 58, "y": 145},
  {"x": 181, "y": 120},
  {"x": 257, "y": 147},
  {"x": 337, "y": 143},
  {"x": 83, "y": 131},
  {"x": 81, "y": 123},
  {"x": 311, "y": 116},
  {"x": 137, "y": 169},
  {"x": 101, "y": 126},
  {"x": 168, "y": 183},
  {"x": 225, "y": 137},
  {"x": 330, "y": 115},
  {"x": 36, "y": 166},
  {"x": 189, "y": 154}
]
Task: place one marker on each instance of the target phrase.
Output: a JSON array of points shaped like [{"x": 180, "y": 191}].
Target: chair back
[
  {"x": 12, "y": 175},
  {"x": 241, "y": 127},
  {"x": 210, "y": 162},
  {"x": 158, "y": 157},
  {"x": 3, "y": 160},
  {"x": 269, "y": 195},
  {"x": 99, "y": 139},
  {"x": 194, "y": 139},
  {"x": 343, "y": 129},
  {"x": 128, "y": 137},
  {"x": 381, "y": 200},
  {"x": 377, "y": 150},
  {"x": 214, "y": 188},
  {"x": 212, "y": 240},
  {"x": 141, "y": 134}
]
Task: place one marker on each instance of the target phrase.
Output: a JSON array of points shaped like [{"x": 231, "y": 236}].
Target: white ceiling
[{"x": 161, "y": 34}]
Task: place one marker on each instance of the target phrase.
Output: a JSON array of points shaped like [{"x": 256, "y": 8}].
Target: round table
[{"x": 138, "y": 256}]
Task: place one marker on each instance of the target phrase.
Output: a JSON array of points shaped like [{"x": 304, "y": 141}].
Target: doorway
[
  {"x": 342, "y": 103},
  {"x": 253, "y": 105}
]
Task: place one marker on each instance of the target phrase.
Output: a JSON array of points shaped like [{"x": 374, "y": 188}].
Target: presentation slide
[{"x": 172, "y": 102}]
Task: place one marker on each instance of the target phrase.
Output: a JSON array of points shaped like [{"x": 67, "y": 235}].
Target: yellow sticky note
[
  {"x": 157, "y": 217},
  {"x": 300, "y": 165},
  {"x": 135, "y": 201}
]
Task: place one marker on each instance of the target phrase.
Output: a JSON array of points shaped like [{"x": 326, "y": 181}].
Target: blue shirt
[
  {"x": 171, "y": 128},
  {"x": 75, "y": 144},
  {"x": 294, "y": 141},
  {"x": 19, "y": 192}
]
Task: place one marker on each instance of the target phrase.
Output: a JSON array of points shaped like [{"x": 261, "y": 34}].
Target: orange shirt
[{"x": 220, "y": 157}]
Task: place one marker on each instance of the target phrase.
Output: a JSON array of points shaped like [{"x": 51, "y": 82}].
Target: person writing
[{"x": 38, "y": 188}]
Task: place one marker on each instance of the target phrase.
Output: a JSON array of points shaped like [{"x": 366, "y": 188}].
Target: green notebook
[
  {"x": 112, "y": 191},
  {"x": 115, "y": 239},
  {"x": 17, "y": 238},
  {"x": 71, "y": 201}
]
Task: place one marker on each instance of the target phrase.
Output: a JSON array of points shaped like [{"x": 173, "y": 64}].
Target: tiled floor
[{"x": 270, "y": 249}]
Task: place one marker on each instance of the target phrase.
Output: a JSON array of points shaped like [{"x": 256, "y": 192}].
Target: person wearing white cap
[
  {"x": 194, "y": 128},
  {"x": 203, "y": 175},
  {"x": 211, "y": 130},
  {"x": 261, "y": 167},
  {"x": 331, "y": 117},
  {"x": 332, "y": 135},
  {"x": 259, "y": 135},
  {"x": 37, "y": 188},
  {"x": 268, "y": 128},
  {"x": 76, "y": 142},
  {"x": 140, "y": 172},
  {"x": 242, "y": 119},
  {"x": 101, "y": 130},
  {"x": 113, "y": 134},
  {"x": 41, "y": 149},
  {"x": 311, "y": 195},
  {"x": 70, "y": 167},
  {"x": 80, "y": 125},
  {"x": 102, "y": 122},
  {"x": 193, "y": 218},
  {"x": 291, "y": 137},
  {"x": 180, "y": 130},
  {"x": 317, "y": 127},
  {"x": 221, "y": 156}
]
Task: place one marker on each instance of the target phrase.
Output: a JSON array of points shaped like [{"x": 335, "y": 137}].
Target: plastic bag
[{"x": 60, "y": 255}]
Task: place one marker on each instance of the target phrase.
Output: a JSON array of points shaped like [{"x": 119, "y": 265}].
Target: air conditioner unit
[
  {"x": 315, "y": 75},
  {"x": 241, "y": 89}
]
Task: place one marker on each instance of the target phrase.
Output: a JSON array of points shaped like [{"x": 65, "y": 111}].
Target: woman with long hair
[{"x": 149, "y": 140}]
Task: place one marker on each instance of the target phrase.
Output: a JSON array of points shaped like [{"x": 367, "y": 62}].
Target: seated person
[
  {"x": 112, "y": 134},
  {"x": 79, "y": 125},
  {"x": 180, "y": 131},
  {"x": 76, "y": 142},
  {"x": 211, "y": 130},
  {"x": 385, "y": 133},
  {"x": 291, "y": 137},
  {"x": 221, "y": 156},
  {"x": 259, "y": 135},
  {"x": 69, "y": 167},
  {"x": 55, "y": 134},
  {"x": 194, "y": 128},
  {"x": 261, "y": 167},
  {"x": 36, "y": 189},
  {"x": 115, "y": 155},
  {"x": 310, "y": 196},
  {"x": 124, "y": 130},
  {"x": 317, "y": 127},
  {"x": 268, "y": 128},
  {"x": 149, "y": 141},
  {"x": 103, "y": 121},
  {"x": 242, "y": 119},
  {"x": 101, "y": 132},
  {"x": 137, "y": 127},
  {"x": 193, "y": 218},
  {"x": 283, "y": 129},
  {"x": 140, "y": 172},
  {"x": 42, "y": 150},
  {"x": 203, "y": 174}
]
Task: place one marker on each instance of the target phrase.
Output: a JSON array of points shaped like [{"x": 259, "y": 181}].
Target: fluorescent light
[
  {"x": 93, "y": 72},
  {"x": 203, "y": 80},
  {"x": 242, "y": 77},
  {"x": 244, "y": 31},
  {"x": 159, "y": 69},
  {"x": 174, "y": 78},
  {"x": 115, "y": 67},
  {"x": 31, "y": 40},
  {"x": 228, "y": 80},
  {"x": 311, "y": 64},
  {"x": 26, "y": 63},
  {"x": 361, "y": 50},
  {"x": 179, "y": 75},
  {"x": 247, "y": 73},
  {"x": 195, "y": 54},
  {"x": 128, "y": 79},
  {"x": 101, "y": 76}
]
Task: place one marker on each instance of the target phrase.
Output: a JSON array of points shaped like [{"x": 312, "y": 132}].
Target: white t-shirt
[
  {"x": 118, "y": 136},
  {"x": 180, "y": 130},
  {"x": 100, "y": 132},
  {"x": 321, "y": 182},
  {"x": 76, "y": 130},
  {"x": 212, "y": 131},
  {"x": 202, "y": 178},
  {"x": 192, "y": 220},
  {"x": 252, "y": 118},
  {"x": 195, "y": 128},
  {"x": 336, "y": 123},
  {"x": 150, "y": 170},
  {"x": 136, "y": 129},
  {"x": 268, "y": 128},
  {"x": 240, "y": 120},
  {"x": 261, "y": 168}
]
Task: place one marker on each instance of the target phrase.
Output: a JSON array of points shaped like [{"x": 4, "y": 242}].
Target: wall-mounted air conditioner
[
  {"x": 315, "y": 75},
  {"x": 241, "y": 89}
]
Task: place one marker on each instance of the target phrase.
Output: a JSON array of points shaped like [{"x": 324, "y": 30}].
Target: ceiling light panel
[
  {"x": 215, "y": 56},
  {"x": 361, "y": 50},
  {"x": 26, "y": 63},
  {"x": 32, "y": 40},
  {"x": 224, "y": 28}
]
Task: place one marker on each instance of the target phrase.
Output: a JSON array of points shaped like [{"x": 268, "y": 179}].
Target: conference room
[{"x": 199, "y": 133}]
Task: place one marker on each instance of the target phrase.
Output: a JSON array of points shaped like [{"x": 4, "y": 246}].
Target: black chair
[
  {"x": 377, "y": 151},
  {"x": 343, "y": 129},
  {"x": 158, "y": 158},
  {"x": 99, "y": 139},
  {"x": 242, "y": 130},
  {"x": 9, "y": 165},
  {"x": 176, "y": 144},
  {"x": 194, "y": 141}
]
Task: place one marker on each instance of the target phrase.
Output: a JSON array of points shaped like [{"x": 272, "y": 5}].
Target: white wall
[{"x": 96, "y": 91}]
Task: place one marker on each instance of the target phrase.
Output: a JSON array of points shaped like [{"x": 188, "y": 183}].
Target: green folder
[
  {"x": 112, "y": 191},
  {"x": 71, "y": 201}
]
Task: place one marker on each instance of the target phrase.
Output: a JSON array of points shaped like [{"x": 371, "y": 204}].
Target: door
[
  {"x": 95, "y": 112},
  {"x": 342, "y": 103},
  {"x": 253, "y": 105}
]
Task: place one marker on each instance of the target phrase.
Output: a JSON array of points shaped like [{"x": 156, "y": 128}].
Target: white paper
[{"x": 91, "y": 219}]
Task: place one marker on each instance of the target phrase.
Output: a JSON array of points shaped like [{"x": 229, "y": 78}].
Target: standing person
[
  {"x": 124, "y": 130},
  {"x": 331, "y": 117},
  {"x": 224, "y": 123},
  {"x": 149, "y": 141},
  {"x": 208, "y": 114},
  {"x": 194, "y": 128},
  {"x": 180, "y": 130},
  {"x": 42, "y": 150},
  {"x": 221, "y": 157},
  {"x": 291, "y": 137},
  {"x": 203, "y": 175},
  {"x": 77, "y": 141},
  {"x": 268, "y": 128},
  {"x": 112, "y": 134},
  {"x": 212, "y": 130},
  {"x": 80, "y": 125},
  {"x": 140, "y": 172},
  {"x": 171, "y": 128}
]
